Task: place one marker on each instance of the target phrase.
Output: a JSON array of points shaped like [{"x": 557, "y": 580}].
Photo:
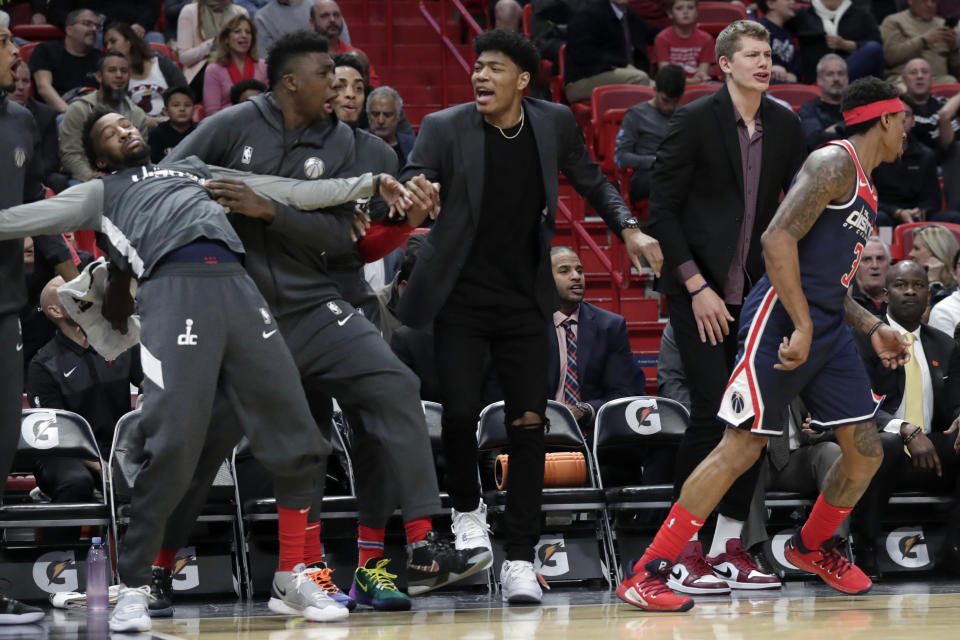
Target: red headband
[{"x": 873, "y": 110}]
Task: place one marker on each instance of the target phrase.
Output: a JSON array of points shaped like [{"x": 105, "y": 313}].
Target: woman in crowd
[
  {"x": 234, "y": 58},
  {"x": 934, "y": 247},
  {"x": 197, "y": 28},
  {"x": 151, "y": 73}
]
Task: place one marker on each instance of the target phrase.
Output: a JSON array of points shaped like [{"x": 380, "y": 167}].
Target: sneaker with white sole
[
  {"x": 15, "y": 612},
  {"x": 132, "y": 612},
  {"x": 295, "y": 593},
  {"x": 691, "y": 573},
  {"x": 519, "y": 584},
  {"x": 737, "y": 568},
  {"x": 470, "y": 528}
]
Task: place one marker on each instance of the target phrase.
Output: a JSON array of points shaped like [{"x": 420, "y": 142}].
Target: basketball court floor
[{"x": 802, "y": 610}]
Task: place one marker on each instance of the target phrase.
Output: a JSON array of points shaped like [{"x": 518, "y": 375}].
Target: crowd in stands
[{"x": 213, "y": 56}]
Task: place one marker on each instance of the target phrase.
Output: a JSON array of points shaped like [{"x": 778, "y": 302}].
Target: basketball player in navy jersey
[{"x": 796, "y": 341}]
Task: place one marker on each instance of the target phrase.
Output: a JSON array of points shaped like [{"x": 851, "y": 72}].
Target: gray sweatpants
[
  {"x": 206, "y": 332},
  {"x": 11, "y": 392},
  {"x": 343, "y": 355}
]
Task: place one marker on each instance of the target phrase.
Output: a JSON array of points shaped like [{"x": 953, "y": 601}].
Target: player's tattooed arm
[
  {"x": 828, "y": 175},
  {"x": 858, "y": 317},
  {"x": 886, "y": 341}
]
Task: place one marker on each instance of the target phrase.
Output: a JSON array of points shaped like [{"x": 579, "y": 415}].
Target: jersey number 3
[{"x": 848, "y": 276}]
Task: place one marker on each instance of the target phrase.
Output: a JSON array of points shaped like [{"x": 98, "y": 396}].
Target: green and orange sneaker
[{"x": 373, "y": 586}]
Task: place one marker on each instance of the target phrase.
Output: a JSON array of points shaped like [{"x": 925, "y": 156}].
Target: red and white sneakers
[
  {"x": 646, "y": 588},
  {"x": 692, "y": 574},
  {"x": 828, "y": 563},
  {"x": 738, "y": 569}
]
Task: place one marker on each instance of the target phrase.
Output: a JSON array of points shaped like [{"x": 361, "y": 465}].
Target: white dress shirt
[{"x": 894, "y": 425}]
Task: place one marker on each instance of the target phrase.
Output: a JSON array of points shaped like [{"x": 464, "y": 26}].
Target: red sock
[
  {"x": 312, "y": 546},
  {"x": 673, "y": 535},
  {"x": 822, "y": 523},
  {"x": 165, "y": 559},
  {"x": 418, "y": 529},
  {"x": 292, "y": 529},
  {"x": 369, "y": 543}
]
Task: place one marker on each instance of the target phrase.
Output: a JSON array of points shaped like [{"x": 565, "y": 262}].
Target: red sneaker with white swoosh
[{"x": 647, "y": 588}]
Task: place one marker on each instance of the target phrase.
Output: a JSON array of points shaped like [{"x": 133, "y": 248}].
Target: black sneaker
[
  {"x": 14, "y": 612},
  {"x": 161, "y": 592},
  {"x": 433, "y": 563}
]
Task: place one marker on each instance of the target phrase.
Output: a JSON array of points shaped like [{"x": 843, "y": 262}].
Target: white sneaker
[
  {"x": 132, "y": 610},
  {"x": 471, "y": 529},
  {"x": 519, "y": 584},
  {"x": 295, "y": 593}
]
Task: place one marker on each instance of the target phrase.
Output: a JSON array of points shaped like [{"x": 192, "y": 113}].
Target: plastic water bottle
[{"x": 97, "y": 580}]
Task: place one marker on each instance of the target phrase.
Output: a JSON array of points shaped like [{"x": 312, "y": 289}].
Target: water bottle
[{"x": 97, "y": 580}]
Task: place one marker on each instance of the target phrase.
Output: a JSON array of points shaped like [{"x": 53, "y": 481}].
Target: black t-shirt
[
  {"x": 68, "y": 71},
  {"x": 502, "y": 264},
  {"x": 165, "y": 137}
]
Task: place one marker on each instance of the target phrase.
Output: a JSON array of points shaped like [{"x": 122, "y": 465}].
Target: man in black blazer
[
  {"x": 933, "y": 461},
  {"x": 606, "y": 44},
  {"x": 717, "y": 182},
  {"x": 604, "y": 365},
  {"x": 483, "y": 276}
]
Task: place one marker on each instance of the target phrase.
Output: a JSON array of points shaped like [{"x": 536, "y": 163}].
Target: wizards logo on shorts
[{"x": 737, "y": 402}]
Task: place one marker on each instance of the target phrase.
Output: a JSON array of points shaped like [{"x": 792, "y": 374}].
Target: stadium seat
[
  {"x": 694, "y": 91},
  {"x": 713, "y": 28},
  {"x": 27, "y": 50},
  {"x": 581, "y": 110},
  {"x": 725, "y": 12},
  {"x": 563, "y": 434},
  {"x": 796, "y": 94},
  {"x": 526, "y": 18},
  {"x": 55, "y": 433},
  {"x": 617, "y": 97},
  {"x": 37, "y": 32},
  {"x": 903, "y": 237},
  {"x": 945, "y": 90},
  {"x": 165, "y": 50}
]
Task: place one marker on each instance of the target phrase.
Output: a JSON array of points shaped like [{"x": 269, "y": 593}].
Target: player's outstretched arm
[
  {"x": 828, "y": 174},
  {"x": 78, "y": 207},
  {"x": 890, "y": 346}
]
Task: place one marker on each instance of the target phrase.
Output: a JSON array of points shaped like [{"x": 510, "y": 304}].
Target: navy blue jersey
[{"x": 830, "y": 251}]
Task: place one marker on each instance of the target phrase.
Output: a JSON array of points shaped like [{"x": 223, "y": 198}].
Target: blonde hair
[
  {"x": 208, "y": 25},
  {"x": 221, "y": 54},
  {"x": 728, "y": 41},
  {"x": 943, "y": 245}
]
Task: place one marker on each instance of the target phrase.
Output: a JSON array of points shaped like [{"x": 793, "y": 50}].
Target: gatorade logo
[
  {"x": 186, "y": 573},
  {"x": 56, "y": 572},
  {"x": 39, "y": 430},
  {"x": 643, "y": 417},
  {"x": 551, "y": 554},
  {"x": 907, "y": 547}
]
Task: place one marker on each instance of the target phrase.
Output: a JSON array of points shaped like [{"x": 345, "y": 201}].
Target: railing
[{"x": 449, "y": 48}]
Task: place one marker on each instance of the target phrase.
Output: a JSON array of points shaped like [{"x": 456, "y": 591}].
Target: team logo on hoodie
[
  {"x": 19, "y": 157},
  {"x": 247, "y": 155},
  {"x": 313, "y": 168}
]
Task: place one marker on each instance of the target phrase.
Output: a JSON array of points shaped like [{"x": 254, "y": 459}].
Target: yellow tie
[{"x": 913, "y": 387}]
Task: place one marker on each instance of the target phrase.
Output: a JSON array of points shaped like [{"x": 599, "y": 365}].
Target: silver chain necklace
[{"x": 518, "y": 130}]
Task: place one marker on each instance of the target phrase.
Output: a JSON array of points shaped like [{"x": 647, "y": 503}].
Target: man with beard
[
  {"x": 61, "y": 65},
  {"x": 113, "y": 75},
  {"x": 20, "y": 180},
  {"x": 326, "y": 20},
  {"x": 162, "y": 227},
  {"x": 819, "y": 117}
]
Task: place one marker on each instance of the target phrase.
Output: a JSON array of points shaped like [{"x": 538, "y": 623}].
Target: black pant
[
  {"x": 517, "y": 343},
  {"x": 707, "y": 369},
  {"x": 11, "y": 392},
  {"x": 897, "y": 472}
]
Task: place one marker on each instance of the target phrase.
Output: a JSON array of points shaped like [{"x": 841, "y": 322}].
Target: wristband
[
  {"x": 913, "y": 435},
  {"x": 873, "y": 329},
  {"x": 693, "y": 293}
]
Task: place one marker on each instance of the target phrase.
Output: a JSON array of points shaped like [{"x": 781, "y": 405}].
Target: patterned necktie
[
  {"x": 571, "y": 383},
  {"x": 913, "y": 387}
]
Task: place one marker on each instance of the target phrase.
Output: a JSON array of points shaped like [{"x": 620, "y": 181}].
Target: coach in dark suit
[
  {"x": 606, "y": 44},
  {"x": 600, "y": 359},
  {"x": 483, "y": 276},
  {"x": 717, "y": 182},
  {"x": 928, "y": 428}
]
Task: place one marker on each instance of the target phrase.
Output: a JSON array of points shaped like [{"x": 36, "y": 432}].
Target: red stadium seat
[
  {"x": 27, "y": 50},
  {"x": 796, "y": 94},
  {"x": 581, "y": 110},
  {"x": 945, "y": 90},
  {"x": 525, "y": 20},
  {"x": 903, "y": 237},
  {"x": 199, "y": 113},
  {"x": 725, "y": 12},
  {"x": 37, "y": 32},
  {"x": 694, "y": 91},
  {"x": 612, "y": 97},
  {"x": 607, "y": 129},
  {"x": 713, "y": 28}
]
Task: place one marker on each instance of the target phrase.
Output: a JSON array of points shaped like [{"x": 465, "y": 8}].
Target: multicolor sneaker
[
  {"x": 692, "y": 574},
  {"x": 373, "y": 586},
  {"x": 161, "y": 588},
  {"x": 737, "y": 567},
  {"x": 647, "y": 588},
  {"x": 294, "y": 593},
  {"x": 433, "y": 563},
  {"x": 15, "y": 612},
  {"x": 828, "y": 563},
  {"x": 319, "y": 572}
]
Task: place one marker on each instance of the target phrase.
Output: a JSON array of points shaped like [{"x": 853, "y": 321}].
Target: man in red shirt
[{"x": 326, "y": 19}]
